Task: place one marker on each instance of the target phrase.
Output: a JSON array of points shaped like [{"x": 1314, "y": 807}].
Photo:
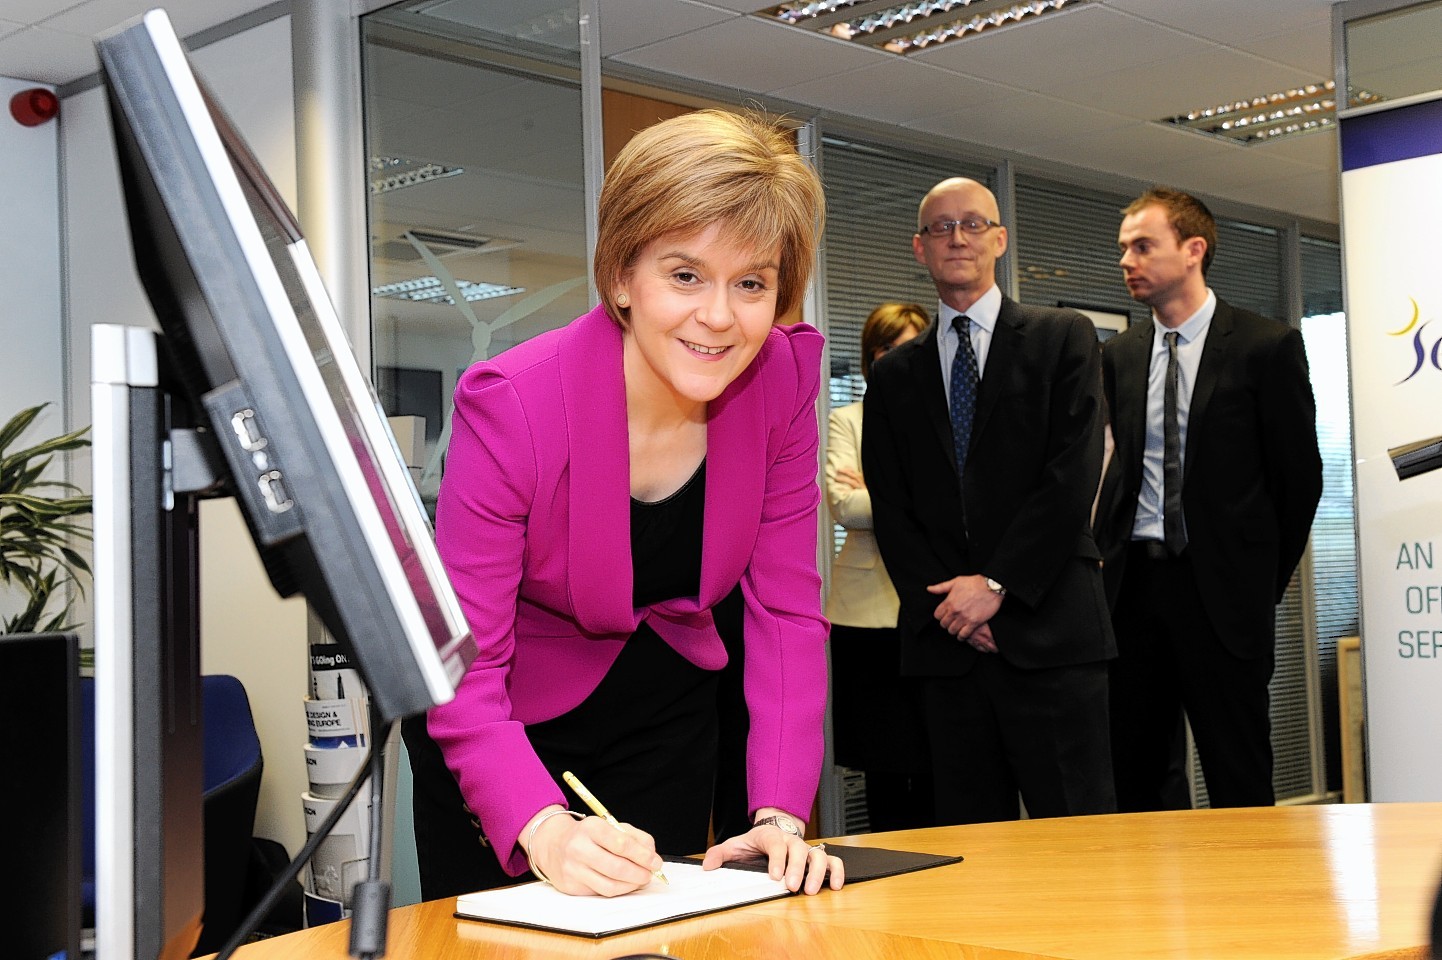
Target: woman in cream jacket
[{"x": 874, "y": 725}]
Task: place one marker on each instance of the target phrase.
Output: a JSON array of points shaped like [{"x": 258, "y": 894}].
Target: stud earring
[{"x": 622, "y": 300}]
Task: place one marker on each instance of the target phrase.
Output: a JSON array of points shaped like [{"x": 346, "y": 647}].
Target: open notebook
[{"x": 691, "y": 892}]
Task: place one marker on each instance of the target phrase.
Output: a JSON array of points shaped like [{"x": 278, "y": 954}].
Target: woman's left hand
[{"x": 803, "y": 866}]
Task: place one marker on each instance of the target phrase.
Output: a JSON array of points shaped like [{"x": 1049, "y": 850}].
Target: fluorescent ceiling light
[
  {"x": 393, "y": 173},
  {"x": 908, "y": 27},
  {"x": 430, "y": 290},
  {"x": 1264, "y": 119}
]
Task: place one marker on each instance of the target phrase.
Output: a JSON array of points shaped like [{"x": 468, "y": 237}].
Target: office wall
[
  {"x": 246, "y": 629},
  {"x": 31, "y": 364}
]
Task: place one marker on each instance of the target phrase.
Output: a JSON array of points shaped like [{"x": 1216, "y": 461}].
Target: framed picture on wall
[{"x": 1109, "y": 321}]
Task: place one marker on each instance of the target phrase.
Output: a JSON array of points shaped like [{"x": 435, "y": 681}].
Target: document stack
[{"x": 336, "y": 715}]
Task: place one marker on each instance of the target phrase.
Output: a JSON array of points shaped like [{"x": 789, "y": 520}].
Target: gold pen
[{"x": 599, "y": 810}]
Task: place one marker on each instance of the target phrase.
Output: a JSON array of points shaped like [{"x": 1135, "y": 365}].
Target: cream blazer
[{"x": 861, "y": 592}]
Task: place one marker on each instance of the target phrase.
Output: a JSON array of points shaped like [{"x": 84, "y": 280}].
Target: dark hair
[
  {"x": 1188, "y": 216},
  {"x": 884, "y": 325}
]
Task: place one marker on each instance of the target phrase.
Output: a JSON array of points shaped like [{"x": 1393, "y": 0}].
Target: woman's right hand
[
  {"x": 852, "y": 478},
  {"x": 590, "y": 857}
]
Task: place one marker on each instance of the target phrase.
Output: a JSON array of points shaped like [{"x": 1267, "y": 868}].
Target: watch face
[{"x": 784, "y": 824}]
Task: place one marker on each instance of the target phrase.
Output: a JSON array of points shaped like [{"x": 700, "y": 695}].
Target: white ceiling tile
[
  {"x": 1317, "y": 149},
  {"x": 98, "y": 16},
  {"x": 1020, "y": 123},
  {"x": 736, "y": 6},
  {"x": 95, "y": 17},
  {"x": 33, "y": 11},
  {"x": 47, "y": 56},
  {"x": 1309, "y": 48},
  {"x": 1224, "y": 20},
  {"x": 629, "y": 24},
  {"x": 1050, "y": 53},
  {"x": 753, "y": 56},
  {"x": 1236, "y": 170},
  {"x": 1143, "y": 151},
  {"x": 1199, "y": 80},
  {"x": 1310, "y": 195},
  {"x": 872, "y": 91}
]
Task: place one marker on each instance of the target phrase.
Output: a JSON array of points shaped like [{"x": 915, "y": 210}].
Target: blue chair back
[{"x": 233, "y": 766}]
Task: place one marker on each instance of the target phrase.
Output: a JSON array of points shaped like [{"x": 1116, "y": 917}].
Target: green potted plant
[{"x": 38, "y": 525}]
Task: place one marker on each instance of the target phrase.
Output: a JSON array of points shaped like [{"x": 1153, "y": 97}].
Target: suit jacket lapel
[
  {"x": 925, "y": 373},
  {"x": 1006, "y": 340},
  {"x": 1133, "y": 366},
  {"x": 593, "y": 393},
  {"x": 736, "y": 437},
  {"x": 1214, "y": 360}
]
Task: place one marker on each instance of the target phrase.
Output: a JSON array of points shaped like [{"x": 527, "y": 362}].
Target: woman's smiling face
[{"x": 699, "y": 309}]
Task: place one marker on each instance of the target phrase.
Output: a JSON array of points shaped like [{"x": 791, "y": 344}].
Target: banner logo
[{"x": 1420, "y": 353}]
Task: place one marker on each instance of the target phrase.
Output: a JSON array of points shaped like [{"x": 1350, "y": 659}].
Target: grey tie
[{"x": 1173, "y": 529}]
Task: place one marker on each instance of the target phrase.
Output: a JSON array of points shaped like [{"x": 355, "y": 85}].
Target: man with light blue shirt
[
  {"x": 1204, "y": 513},
  {"x": 982, "y": 450}
]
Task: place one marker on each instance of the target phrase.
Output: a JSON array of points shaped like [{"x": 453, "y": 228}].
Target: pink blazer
[{"x": 533, "y": 524}]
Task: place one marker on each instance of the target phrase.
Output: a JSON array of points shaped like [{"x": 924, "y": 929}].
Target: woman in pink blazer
[{"x": 607, "y": 485}]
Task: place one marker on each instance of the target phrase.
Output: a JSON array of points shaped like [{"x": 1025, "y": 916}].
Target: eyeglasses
[{"x": 971, "y": 225}]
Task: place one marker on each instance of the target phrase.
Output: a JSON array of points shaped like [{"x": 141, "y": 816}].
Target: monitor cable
[{"x": 371, "y": 898}]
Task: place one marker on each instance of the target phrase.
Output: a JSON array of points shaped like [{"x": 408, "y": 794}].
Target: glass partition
[
  {"x": 1393, "y": 55},
  {"x": 477, "y": 200}
]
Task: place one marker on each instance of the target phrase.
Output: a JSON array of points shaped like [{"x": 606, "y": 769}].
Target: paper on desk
[{"x": 692, "y": 891}]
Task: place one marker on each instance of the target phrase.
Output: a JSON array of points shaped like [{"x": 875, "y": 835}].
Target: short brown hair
[
  {"x": 1188, "y": 216},
  {"x": 884, "y": 325},
  {"x": 685, "y": 174}
]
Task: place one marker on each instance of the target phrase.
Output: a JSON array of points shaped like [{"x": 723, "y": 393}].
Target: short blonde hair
[
  {"x": 685, "y": 174},
  {"x": 884, "y": 325}
]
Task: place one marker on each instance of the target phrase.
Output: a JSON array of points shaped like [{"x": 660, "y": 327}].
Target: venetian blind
[{"x": 1334, "y": 543}]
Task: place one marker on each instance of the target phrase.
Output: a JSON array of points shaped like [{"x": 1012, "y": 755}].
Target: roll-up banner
[{"x": 1392, "y": 235}]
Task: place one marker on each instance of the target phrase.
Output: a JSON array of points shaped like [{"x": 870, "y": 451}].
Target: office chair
[
  {"x": 231, "y": 791},
  {"x": 230, "y": 794}
]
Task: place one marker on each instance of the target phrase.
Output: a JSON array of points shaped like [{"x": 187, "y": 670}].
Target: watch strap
[{"x": 784, "y": 824}]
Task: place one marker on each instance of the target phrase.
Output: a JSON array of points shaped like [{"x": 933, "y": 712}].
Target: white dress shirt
[
  {"x": 983, "y": 316},
  {"x": 1191, "y": 339}
]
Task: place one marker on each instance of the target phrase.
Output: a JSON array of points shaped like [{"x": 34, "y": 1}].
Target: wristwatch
[
  {"x": 784, "y": 824},
  {"x": 995, "y": 588}
]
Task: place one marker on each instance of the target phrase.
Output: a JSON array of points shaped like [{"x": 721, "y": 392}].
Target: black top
[{"x": 666, "y": 543}]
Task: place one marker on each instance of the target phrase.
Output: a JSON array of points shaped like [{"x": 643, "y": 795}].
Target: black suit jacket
[
  {"x": 1252, "y": 474},
  {"x": 1020, "y": 515}
]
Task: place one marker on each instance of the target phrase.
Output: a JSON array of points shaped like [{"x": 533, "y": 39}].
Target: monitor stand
[{"x": 149, "y": 474}]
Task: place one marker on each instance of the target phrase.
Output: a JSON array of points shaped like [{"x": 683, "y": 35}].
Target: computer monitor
[
  {"x": 41, "y": 806},
  {"x": 255, "y": 340},
  {"x": 253, "y": 363}
]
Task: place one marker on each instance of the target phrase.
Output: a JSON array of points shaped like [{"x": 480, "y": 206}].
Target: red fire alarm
[{"x": 33, "y": 107}]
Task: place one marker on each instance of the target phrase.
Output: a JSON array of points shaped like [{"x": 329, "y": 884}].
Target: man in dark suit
[
  {"x": 1203, "y": 515},
  {"x": 982, "y": 449}
]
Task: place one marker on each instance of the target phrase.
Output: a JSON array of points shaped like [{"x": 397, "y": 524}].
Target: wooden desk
[{"x": 1286, "y": 883}]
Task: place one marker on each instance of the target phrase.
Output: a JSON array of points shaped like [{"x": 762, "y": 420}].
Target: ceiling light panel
[
  {"x": 908, "y": 27},
  {"x": 393, "y": 173},
  {"x": 431, "y": 290},
  {"x": 1264, "y": 119}
]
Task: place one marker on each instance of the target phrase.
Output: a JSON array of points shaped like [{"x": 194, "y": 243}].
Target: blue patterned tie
[{"x": 964, "y": 378}]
